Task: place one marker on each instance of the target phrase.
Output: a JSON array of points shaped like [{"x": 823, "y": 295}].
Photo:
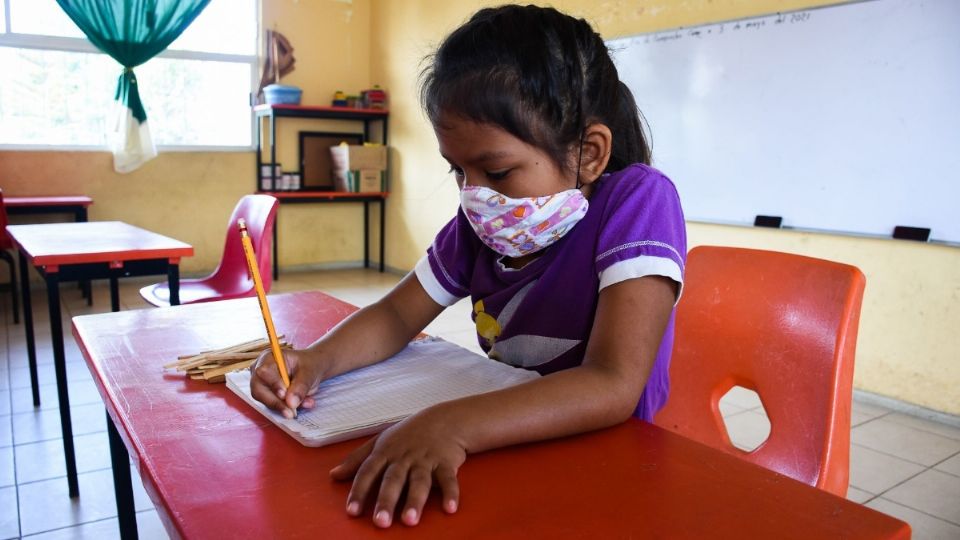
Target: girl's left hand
[{"x": 414, "y": 454}]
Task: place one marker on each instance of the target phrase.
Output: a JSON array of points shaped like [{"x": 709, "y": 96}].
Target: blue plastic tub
[{"x": 281, "y": 94}]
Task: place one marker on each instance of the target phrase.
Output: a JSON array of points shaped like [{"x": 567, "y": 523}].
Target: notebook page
[{"x": 371, "y": 399}]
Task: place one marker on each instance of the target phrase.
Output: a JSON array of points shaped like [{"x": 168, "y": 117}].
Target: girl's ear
[{"x": 597, "y": 144}]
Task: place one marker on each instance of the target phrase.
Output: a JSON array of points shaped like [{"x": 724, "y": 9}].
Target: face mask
[{"x": 516, "y": 227}]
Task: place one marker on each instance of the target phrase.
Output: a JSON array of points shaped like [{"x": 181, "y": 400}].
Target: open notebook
[{"x": 369, "y": 400}]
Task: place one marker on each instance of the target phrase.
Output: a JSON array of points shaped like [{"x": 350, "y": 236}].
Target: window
[{"x": 56, "y": 89}]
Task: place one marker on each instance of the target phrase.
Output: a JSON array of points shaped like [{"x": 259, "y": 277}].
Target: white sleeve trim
[
  {"x": 431, "y": 285},
  {"x": 639, "y": 267}
]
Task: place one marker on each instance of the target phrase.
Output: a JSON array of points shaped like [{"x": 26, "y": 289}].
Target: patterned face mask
[{"x": 516, "y": 227}]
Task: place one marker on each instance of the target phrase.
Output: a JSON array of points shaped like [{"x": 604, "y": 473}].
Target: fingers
[
  {"x": 392, "y": 484},
  {"x": 266, "y": 385},
  {"x": 418, "y": 489},
  {"x": 349, "y": 466},
  {"x": 449, "y": 488}
]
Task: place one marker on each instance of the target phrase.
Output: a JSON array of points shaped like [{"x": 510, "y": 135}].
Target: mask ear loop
[{"x": 580, "y": 161}]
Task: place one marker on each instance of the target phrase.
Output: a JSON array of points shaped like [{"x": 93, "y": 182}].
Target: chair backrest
[
  {"x": 260, "y": 214},
  {"x": 784, "y": 326},
  {"x": 5, "y": 241}
]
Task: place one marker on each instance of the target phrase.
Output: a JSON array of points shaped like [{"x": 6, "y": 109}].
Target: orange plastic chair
[
  {"x": 6, "y": 244},
  {"x": 231, "y": 279},
  {"x": 784, "y": 326}
]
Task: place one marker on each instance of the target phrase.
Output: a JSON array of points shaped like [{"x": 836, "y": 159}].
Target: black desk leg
[
  {"x": 80, "y": 216},
  {"x": 366, "y": 234},
  {"x": 60, "y": 367},
  {"x": 122, "y": 484},
  {"x": 383, "y": 238},
  {"x": 28, "y": 324},
  {"x": 114, "y": 292},
  {"x": 173, "y": 283}
]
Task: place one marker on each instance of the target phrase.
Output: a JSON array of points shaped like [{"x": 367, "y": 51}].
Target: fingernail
[
  {"x": 383, "y": 518},
  {"x": 282, "y": 393},
  {"x": 353, "y": 508},
  {"x": 410, "y": 516},
  {"x": 451, "y": 506},
  {"x": 294, "y": 401},
  {"x": 288, "y": 414}
]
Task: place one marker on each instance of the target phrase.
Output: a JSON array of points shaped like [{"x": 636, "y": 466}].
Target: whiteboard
[{"x": 844, "y": 118}]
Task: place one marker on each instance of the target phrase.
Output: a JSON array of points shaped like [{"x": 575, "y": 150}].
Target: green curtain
[{"x": 132, "y": 32}]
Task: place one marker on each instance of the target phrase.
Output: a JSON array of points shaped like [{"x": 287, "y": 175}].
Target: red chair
[
  {"x": 231, "y": 279},
  {"x": 784, "y": 326},
  {"x": 6, "y": 244}
]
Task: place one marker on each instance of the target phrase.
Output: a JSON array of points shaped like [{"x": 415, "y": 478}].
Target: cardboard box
[{"x": 359, "y": 168}]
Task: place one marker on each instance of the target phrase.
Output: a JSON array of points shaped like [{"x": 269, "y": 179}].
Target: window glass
[
  {"x": 224, "y": 26},
  {"x": 43, "y": 17},
  {"x": 53, "y": 93}
]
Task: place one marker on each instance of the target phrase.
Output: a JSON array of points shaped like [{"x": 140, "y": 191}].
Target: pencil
[{"x": 262, "y": 297}]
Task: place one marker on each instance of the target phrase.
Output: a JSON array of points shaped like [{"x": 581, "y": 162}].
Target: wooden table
[
  {"x": 78, "y": 252},
  {"x": 215, "y": 468}
]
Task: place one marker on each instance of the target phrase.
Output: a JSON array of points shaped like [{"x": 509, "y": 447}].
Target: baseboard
[{"x": 870, "y": 398}]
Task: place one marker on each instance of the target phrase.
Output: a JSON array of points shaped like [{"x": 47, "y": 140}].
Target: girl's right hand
[{"x": 306, "y": 374}]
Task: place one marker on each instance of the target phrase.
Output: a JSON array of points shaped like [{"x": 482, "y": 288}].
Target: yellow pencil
[{"x": 262, "y": 297}]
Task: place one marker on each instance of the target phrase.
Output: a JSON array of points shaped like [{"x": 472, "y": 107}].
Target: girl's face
[{"x": 488, "y": 156}]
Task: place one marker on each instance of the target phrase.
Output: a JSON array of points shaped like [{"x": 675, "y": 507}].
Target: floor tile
[
  {"x": 924, "y": 526},
  {"x": 44, "y": 460},
  {"x": 748, "y": 429},
  {"x": 9, "y": 520},
  {"x": 863, "y": 412},
  {"x": 924, "y": 425},
  {"x": 876, "y": 472},
  {"x": 76, "y": 371},
  {"x": 45, "y": 505},
  {"x": 932, "y": 492},
  {"x": 742, "y": 397},
  {"x": 951, "y": 465},
  {"x": 7, "y": 476},
  {"x": 149, "y": 527},
  {"x": 82, "y": 392},
  {"x": 6, "y": 432},
  {"x": 904, "y": 442},
  {"x": 45, "y": 425},
  {"x": 858, "y": 495}
]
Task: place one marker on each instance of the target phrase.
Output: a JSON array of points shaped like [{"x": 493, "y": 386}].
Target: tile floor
[{"x": 900, "y": 464}]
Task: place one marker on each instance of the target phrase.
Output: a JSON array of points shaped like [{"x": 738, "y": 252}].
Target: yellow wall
[{"x": 908, "y": 348}]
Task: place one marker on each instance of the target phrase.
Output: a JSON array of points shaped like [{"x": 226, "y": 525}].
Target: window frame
[{"x": 82, "y": 45}]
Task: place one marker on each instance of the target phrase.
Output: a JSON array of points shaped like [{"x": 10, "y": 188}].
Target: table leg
[
  {"x": 366, "y": 234},
  {"x": 28, "y": 325},
  {"x": 80, "y": 216},
  {"x": 60, "y": 367},
  {"x": 383, "y": 238},
  {"x": 122, "y": 484},
  {"x": 114, "y": 293},
  {"x": 173, "y": 283}
]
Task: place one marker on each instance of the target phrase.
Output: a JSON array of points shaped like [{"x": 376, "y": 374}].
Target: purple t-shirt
[{"x": 539, "y": 316}]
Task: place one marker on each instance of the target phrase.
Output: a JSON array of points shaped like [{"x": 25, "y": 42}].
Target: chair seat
[{"x": 192, "y": 291}]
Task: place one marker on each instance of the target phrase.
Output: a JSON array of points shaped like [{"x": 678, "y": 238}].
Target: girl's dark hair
[{"x": 540, "y": 75}]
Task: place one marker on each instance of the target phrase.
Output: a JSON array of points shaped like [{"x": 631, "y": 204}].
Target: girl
[{"x": 570, "y": 246}]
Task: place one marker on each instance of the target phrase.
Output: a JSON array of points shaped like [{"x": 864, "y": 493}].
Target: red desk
[
  {"x": 78, "y": 252},
  {"x": 74, "y": 204},
  {"x": 215, "y": 468},
  {"x": 54, "y": 204}
]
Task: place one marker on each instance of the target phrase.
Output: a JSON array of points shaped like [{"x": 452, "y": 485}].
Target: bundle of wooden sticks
[{"x": 212, "y": 366}]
